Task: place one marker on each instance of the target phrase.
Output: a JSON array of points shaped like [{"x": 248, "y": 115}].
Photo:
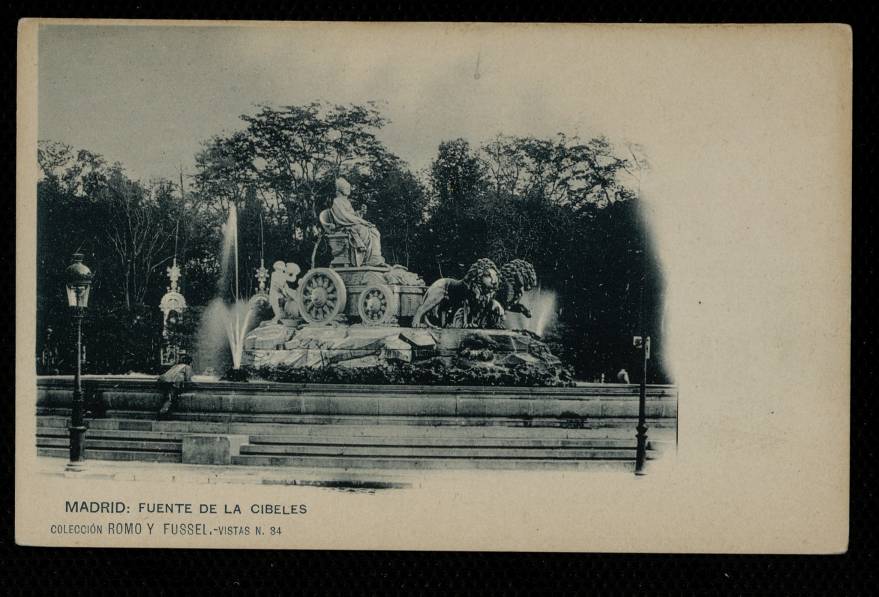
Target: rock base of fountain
[
  {"x": 369, "y": 354},
  {"x": 234, "y": 374}
]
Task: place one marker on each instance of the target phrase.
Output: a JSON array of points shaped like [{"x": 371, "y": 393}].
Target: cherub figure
[{"x": 279, "y": 289}]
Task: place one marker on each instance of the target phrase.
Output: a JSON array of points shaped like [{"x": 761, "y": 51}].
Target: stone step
[
  {"x": 429, "y": 437},
  {"x": 365, "y": 441},
  {"x": 464, "y": 434},
  {"x": 129, "y": 455},
  {"x": 112, "y": 444},
  {"x": 93, "y": 433},
  {"x": 439, "y": 441},
  {"x": 279, "y": 423},
  {"x": 440, "y": 452},
  {"x": 168, "y": 441},
  {"x": 372, "y": 462}
]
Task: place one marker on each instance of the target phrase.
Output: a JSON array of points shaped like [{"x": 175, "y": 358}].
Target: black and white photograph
[{"x": 287, "y": 275}]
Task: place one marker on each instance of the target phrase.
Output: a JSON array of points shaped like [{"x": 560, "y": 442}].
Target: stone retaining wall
[{"x": 589, "y": 401}]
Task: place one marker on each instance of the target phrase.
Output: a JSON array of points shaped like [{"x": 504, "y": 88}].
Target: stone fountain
[{"x": 362, "y": 313}]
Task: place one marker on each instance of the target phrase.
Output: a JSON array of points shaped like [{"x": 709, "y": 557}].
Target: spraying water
[
  {"x": 227, "y": 318},
  {"x": 542, "y": 304},
  {"x": 238, "y": 313},
  {"x": 544, "y": 312},
  {"x": 236, "y": 336}
]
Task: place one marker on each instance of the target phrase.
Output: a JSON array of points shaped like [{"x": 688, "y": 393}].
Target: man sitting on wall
[{"x": 172, "y": 382}]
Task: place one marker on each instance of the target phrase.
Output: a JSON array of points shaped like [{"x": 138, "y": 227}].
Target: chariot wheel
[
  {"x": 377, "y": 305},
  {"x": 322, "y": 295}
]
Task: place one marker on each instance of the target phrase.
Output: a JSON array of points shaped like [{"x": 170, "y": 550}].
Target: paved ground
[
  {"x": 353, "y": 480},
  {"x": 359, "y": 480}
]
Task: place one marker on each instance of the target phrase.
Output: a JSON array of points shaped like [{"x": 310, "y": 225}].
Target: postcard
[{"x": 433, "y": 286}]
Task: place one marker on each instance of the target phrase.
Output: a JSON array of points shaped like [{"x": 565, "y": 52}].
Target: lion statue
[
  {"x": 463, "y": 303},
  {"x": 517, "y": 278}
]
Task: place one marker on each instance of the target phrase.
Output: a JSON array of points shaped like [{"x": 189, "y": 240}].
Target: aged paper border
[{"x": 759, "y": 291}]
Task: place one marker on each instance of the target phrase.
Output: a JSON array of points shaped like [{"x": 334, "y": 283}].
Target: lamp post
[
  {"x": 642, "y": 342},
  {"x": 79, "y": 280}
]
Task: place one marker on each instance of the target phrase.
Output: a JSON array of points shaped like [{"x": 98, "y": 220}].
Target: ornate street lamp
[
  {"x": 643, "y": 343},
  {"x": 79, "y": 280}
]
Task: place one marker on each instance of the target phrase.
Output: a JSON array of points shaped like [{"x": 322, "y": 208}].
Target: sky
[{"x": 149, "y": 96}]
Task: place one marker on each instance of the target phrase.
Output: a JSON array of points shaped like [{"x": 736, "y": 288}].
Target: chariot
[{"x": 352, "y": 292}]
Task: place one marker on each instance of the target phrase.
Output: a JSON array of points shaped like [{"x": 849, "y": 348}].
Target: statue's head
[
  {"x": 483, "y": 279},
  {"x": 519, "y": 275},
  {"x": 292, "y": 269},
  {"x": 343, "y": 187},
  {"x": 279, "y": 266},
  {"x": 490, "y": 279}
]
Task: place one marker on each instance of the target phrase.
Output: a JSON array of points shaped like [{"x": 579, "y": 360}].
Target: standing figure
[
  {"x": 363, "y": 235},
  {"x": 279, "y": 289}
]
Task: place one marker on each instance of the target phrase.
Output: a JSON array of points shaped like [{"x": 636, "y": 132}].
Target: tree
[
  {"x": 124, "y": 228},
  {"x": 225, "y": 170},
  {"x": 300, "y": 148},
  {"x": 456, "y": 228},
  {"x": 127, "y": 227},
  {"x": 569, "y": 207},
  {"x": 395, "y": 202},
  {"x": 289, "y": 157},
  {"x": 138, "y": 230},
  {"x": 563, "y": 170},
  {"x": 79, "y": 174}
]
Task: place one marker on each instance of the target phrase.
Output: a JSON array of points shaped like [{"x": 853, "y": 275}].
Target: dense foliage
[
  {"x": 568, "y": 206},
  {"x": 436, "y": 371}
]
